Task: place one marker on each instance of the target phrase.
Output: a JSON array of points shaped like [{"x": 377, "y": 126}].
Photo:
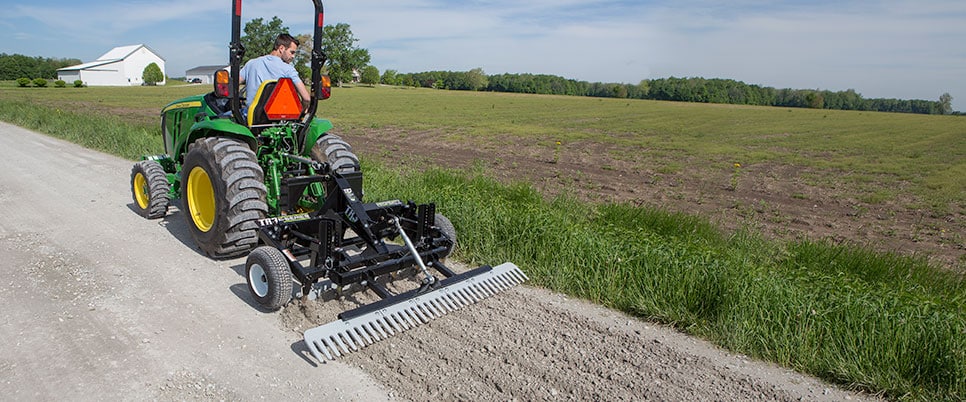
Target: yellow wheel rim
[
  {"x": 141, "y": 191},
  {"x": 201, "y": 199}
]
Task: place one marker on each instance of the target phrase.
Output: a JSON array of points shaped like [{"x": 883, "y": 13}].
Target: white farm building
[
  {"x": 122, "y": 66},
  {"x": 202, "y": 74}
]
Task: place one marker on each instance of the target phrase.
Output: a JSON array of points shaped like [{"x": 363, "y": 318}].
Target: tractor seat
[{"x": 275, "y": 101}]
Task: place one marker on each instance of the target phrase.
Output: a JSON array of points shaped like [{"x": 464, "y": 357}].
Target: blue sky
[{"x": 880, "y": 48}]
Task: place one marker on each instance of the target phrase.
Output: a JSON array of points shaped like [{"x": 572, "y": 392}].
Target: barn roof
[
  {"x": 205, "y": 70},
  {"x": 121, "y": 52},
  {"x": 114, "y": 55},
  {"x": 88, "y": 65}
]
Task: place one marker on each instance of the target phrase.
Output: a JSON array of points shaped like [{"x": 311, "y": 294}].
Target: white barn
[
  {"x": 122, "y": 66},
  {"x": 202, "y": 74}
]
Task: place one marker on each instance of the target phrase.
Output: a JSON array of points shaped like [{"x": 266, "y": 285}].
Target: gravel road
[{"x": 101, "y": 304}]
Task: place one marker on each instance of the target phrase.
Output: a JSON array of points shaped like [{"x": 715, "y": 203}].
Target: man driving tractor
[{"x": 273, "y": 66}]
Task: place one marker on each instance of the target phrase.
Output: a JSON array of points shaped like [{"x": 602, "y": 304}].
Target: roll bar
[{"x": 237, "y": 52}]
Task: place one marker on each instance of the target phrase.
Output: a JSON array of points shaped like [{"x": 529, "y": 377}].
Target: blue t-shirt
[{"x": 265, "y": 68}]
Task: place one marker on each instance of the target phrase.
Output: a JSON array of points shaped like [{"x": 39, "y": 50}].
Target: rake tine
[{"x": 342, "y": 337}]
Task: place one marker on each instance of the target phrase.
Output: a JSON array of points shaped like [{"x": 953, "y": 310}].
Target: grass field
[
  {"x": 886, "y": 323},
  {"x": 875, "y": 153}
]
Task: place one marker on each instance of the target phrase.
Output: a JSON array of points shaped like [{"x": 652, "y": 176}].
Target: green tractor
[{"x": 275, "y": 184}]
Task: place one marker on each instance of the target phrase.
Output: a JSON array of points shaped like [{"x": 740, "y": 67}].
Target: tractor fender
[
  {"x": 317, "y": 129},
  {"x": 216, "y": 128}
]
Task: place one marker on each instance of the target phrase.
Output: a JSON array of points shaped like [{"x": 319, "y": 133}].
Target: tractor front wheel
[
  {"x": 445, "y": 226},
  {"x": 224, "y": 195},
  {"x": 149, "y": 187},
  {"x": 269, "y": 277}
]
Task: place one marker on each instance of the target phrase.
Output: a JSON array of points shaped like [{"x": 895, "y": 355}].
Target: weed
[{"x": 735, "y": 177}]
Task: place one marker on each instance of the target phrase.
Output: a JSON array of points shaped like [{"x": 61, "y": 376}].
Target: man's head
[{"x": 285, "y": 47}]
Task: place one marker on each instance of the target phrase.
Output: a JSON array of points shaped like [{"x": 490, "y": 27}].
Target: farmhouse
[
  {"x": 122, "y": 66},
  {"x": 202, "y": 74}
]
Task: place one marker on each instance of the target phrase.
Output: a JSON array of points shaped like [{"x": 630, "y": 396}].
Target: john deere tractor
[
  {"x": 274, "y": 183},
  {"x": 232, "y": 164}
]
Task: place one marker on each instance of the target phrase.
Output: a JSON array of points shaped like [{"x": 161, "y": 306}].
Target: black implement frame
[{"x": 345, "y": 241}]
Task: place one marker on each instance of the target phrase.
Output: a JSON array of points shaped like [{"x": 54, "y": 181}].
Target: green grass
[
  {"x": 881, "y": 322},
  {"x": 877, "y": 322}
]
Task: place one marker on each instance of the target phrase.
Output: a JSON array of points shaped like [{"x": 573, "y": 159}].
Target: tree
[
  {"x": 344, "y": 57},
  {"x": 14, "y": 66},
  {"x": 303, "y": 56},
  {"x": 945, "y": 103},
  {"x": 476, "y": 79},
  {"x": 389, "y": 77},
  {"x": 370, "y": 75},
  {"x": 152, "y": 74}
]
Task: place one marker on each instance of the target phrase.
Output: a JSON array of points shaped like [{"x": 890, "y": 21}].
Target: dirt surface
[
  {"x": 779, "y": 201},
  {"x": 102, "y": 304}
]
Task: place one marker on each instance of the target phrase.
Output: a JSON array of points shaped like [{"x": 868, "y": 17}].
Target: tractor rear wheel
[
  {"x": 337, "y": 153},
  {"x": 269, "y": 277},
  {"x": 224, "y": 194},
  {"x": 149, "y": 187}
]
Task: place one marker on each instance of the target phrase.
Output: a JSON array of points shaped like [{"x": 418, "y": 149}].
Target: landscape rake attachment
[
  {"x": 351, "y": 242},
  {"x": 358, "y": 329}
]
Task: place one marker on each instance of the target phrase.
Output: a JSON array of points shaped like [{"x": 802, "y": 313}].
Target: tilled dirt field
[
  {"x": 779, "y": 201},
  {"x": 102, "y": 304}
]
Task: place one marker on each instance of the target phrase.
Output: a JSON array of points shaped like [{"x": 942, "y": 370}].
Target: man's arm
[{"x": 303, "y": 92}]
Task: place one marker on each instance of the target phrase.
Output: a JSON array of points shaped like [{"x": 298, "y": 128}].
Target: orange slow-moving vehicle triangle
[{"x": 285, "y": 103}]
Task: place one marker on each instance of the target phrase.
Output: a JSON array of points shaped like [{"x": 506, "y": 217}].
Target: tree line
[
  {"x": 16, "y": 66},
  {"x": 693, "y": 89}
]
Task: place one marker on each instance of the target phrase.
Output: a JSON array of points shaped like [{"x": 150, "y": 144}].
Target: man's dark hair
[{"x": 285, "y": 40}]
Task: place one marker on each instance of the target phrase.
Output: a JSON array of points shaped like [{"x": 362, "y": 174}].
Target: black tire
[
  {"x": 337, "y": 153},
  {"x": 149, "y": 188},
  {"x": 445, "y": 226},
  {"x": 269, "y": 277},
  {"x": 223, "y": 195}
]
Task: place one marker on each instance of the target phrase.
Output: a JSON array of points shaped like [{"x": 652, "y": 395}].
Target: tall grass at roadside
[
  {"x": 876, "y": 322},
  {"x": 103, "y": 133}
]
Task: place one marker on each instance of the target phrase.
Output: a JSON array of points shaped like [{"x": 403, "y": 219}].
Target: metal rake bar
[{"x": 343, "y": 336}]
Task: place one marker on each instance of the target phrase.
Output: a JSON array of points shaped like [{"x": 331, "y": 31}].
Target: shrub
[
  {"x": 152, "y": 74},
  {"x": 78, "y": 83},
  {"x": 40, "y": 82},
  {"x": 60, "y": 84},
  {"x": 23, "y": 82}
]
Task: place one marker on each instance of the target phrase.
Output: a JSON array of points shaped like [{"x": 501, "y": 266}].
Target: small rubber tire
[
  {"x": 269, "y": 277},
  {"x": 445, "y": 226},
  {"x": 223, "y": 196},
  {"x": 149, "y": 189},
  {"x": 330, "y": 148}
]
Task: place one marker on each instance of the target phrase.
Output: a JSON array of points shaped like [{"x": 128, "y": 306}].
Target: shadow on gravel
[
  {"x": 240, "y": 290},
  {"x": 175, "y": 223},
  {"x": 303, "y": 351}
]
